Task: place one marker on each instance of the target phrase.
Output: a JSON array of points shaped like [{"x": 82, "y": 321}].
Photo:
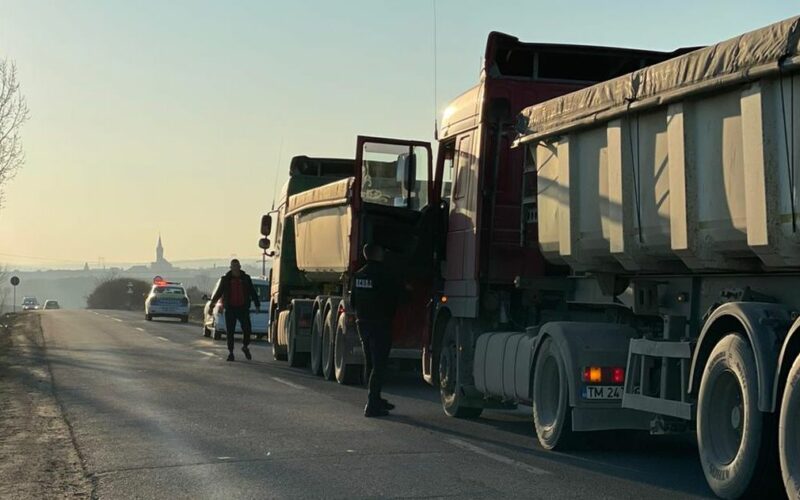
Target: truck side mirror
[
  {"x": 266, "y": 225},
  {"x": 263, "y": 243},
  {"x": 406, "y": 170}
]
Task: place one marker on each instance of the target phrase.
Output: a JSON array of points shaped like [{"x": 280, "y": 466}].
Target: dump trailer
[
  {"x": 287, "y": 282},
  {"x": 661, "y": 211},
  {"x": 388, "y": 200}
]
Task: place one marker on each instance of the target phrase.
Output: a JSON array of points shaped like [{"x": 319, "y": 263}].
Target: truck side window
[
  {"x": 463, "y": 171},
  {"x": 448, "y": 157}
]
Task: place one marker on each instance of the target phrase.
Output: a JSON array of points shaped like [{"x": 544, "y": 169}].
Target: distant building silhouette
[{"x": 161, "y": 264}]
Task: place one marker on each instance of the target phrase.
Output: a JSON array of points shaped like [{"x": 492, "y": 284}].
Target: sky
[{"x": 177, "y": 117}]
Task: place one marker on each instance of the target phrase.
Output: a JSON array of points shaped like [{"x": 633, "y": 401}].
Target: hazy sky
[{"x": 169, "y": 116}]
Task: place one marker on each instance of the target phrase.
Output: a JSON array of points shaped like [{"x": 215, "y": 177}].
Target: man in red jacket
[{"x": 237, "y": 291}]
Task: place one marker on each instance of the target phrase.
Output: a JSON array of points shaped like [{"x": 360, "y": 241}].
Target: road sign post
[{"x": 14, "y": 283}]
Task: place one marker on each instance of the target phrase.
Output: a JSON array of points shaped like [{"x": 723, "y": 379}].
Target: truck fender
[
  {"x": 763, "y": 324},
  {"x": 430, "y": 352},
  {"x": 603, "y": 344},
  {"x": 789, "y": 352}
]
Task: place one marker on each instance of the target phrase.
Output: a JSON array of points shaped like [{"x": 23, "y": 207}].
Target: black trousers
[
  {"x": 376, "y": 338},
  {"x": 241, "y": 314}
]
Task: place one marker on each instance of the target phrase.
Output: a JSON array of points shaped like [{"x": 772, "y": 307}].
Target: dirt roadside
[{"x": 38, "y": 457}]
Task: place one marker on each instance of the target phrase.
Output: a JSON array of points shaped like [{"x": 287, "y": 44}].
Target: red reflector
[{"x": 618, "y": 375}]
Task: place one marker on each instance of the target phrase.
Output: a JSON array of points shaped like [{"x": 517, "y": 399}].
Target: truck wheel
[
  {"x": 789, "y": 433},
  {"x": 278, "y": 350},
  {"x": 296, "y": 359},
  {"x": 454, "y": 401},
  {"x": 328, "y": 332},
  {"x": 552, "y": 414},
  {"x": 734, "y": 438},
  {"x": 345, "y": 374},
  {"x": 316, "y": 344}
]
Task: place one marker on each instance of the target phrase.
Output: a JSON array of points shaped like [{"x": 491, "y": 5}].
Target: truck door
[{"x": 395, "y": 207}]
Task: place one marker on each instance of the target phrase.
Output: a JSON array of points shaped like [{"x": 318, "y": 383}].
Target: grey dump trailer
[{"x": 666, "y": 203}]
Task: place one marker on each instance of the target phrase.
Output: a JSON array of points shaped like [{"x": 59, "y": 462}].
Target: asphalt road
[{"x": 157, "y": 412}]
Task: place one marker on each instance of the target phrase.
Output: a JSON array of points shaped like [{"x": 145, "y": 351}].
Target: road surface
[{"x": 157, "y": 412}]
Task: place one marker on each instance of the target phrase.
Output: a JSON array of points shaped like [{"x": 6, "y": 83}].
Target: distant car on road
[
  {"x": 167, "y": 299},
  {"x": 30, "y": 304},
  {"x": 214, "y": 317},
  {"x": 51, "y": 304}
]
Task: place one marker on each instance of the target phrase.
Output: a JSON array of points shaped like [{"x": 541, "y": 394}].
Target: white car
[
  {"x": 30, "y": 304},
  {"x": 214, "y": 317},
  {"x": 167, "y": 299}
]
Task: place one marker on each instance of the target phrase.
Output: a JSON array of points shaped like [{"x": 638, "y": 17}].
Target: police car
[{"x": 166, "y": 299}]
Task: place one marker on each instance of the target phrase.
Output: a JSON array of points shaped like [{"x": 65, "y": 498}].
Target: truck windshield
[{"x": 395, "y": 175}]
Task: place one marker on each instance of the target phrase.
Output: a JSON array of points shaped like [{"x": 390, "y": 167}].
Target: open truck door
[{"x": 395, "y": 206}]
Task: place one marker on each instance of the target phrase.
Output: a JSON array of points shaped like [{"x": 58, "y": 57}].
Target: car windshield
[
  {"x": 29, "y": 301},
  {"x": 51, "y": 304},
  {"x": 169, "y": 290},
  {"x": 263, "y": 293}
]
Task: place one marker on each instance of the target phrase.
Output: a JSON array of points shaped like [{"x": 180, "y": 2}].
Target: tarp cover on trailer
[{"x": 747, "y": 56}]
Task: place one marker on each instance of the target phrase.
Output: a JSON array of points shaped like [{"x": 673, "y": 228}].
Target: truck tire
[
  {"x": 346, "y": 374},
  {"x": 316, "y": 344},
  {"x": 734, "y": 439},
  {"x": 789, "y": 433},
  {"x": 279, "y": 351},
  {"x": 328, "y": 333},
  {"x": 296, "y": 359},
  {"x": 454, "y": 401},
  {"x": 552, "y": 414}
]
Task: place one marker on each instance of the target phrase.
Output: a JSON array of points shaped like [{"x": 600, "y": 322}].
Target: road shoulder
[{"x": 38, "y": 457}]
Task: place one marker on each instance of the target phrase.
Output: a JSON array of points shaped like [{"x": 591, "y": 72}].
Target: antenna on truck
[
  {"x": 277, "y": 169},
  {"x": 435, "y": 75}
]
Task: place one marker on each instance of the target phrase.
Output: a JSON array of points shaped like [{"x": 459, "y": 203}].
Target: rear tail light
[{"x": 603, "y": 375}]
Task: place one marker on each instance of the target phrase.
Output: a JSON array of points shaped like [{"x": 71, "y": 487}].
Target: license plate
[{"x": 602, "y": 392}]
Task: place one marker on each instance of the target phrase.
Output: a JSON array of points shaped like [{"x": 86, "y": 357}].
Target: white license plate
[{"x": 602, "y": 392}]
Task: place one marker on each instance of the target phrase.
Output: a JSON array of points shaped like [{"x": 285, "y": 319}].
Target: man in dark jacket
[
  {"x": 375, "y": 293},
  {"x": 237, "y": 291}
]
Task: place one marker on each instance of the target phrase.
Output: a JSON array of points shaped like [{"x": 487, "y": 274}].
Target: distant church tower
[
  {"x": 161, "y": 264},
  {"x": 159, "y": 250}
]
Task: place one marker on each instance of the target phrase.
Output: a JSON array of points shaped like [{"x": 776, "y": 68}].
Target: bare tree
[{"x": 13, "y": 113}]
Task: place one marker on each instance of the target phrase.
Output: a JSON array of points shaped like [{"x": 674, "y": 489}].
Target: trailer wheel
[
  {"x": 316, "y": 344},
  {"x": 734, "y": 438},
  {"x": 789, "y": 433},
  {"x": 296, "y": 359},
  {"x": 552, "y": 414},
  {"x": 279, "y": 351},
  {"x": 328, "y": 332},
  {"x": 454, "y": 401},
  {"x": 345, "y": 374}
]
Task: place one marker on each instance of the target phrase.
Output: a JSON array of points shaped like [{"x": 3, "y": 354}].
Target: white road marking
[
  {"x": 204, "y": 352},
  {"x": 140, "y": 329},
  {"x": 224, "y": 458},
  {"x": 116, "y": 319},
  {"x": 286, "y": 382},
  {"x": 162, "y": 338},
  {"x": 497, "y": 458}
]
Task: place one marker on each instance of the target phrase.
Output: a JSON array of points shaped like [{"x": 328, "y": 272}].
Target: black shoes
[
  {"x": 371, "y": 412},
  {"x": 230, "y": 356},
  {"x": 387, "y": 405},
  {"x": 246, "y": 352}
]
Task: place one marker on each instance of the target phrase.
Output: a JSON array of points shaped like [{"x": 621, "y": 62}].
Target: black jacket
[
  {"x": 224, "y": 290},
  {"x": 375, "y": 292}
]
